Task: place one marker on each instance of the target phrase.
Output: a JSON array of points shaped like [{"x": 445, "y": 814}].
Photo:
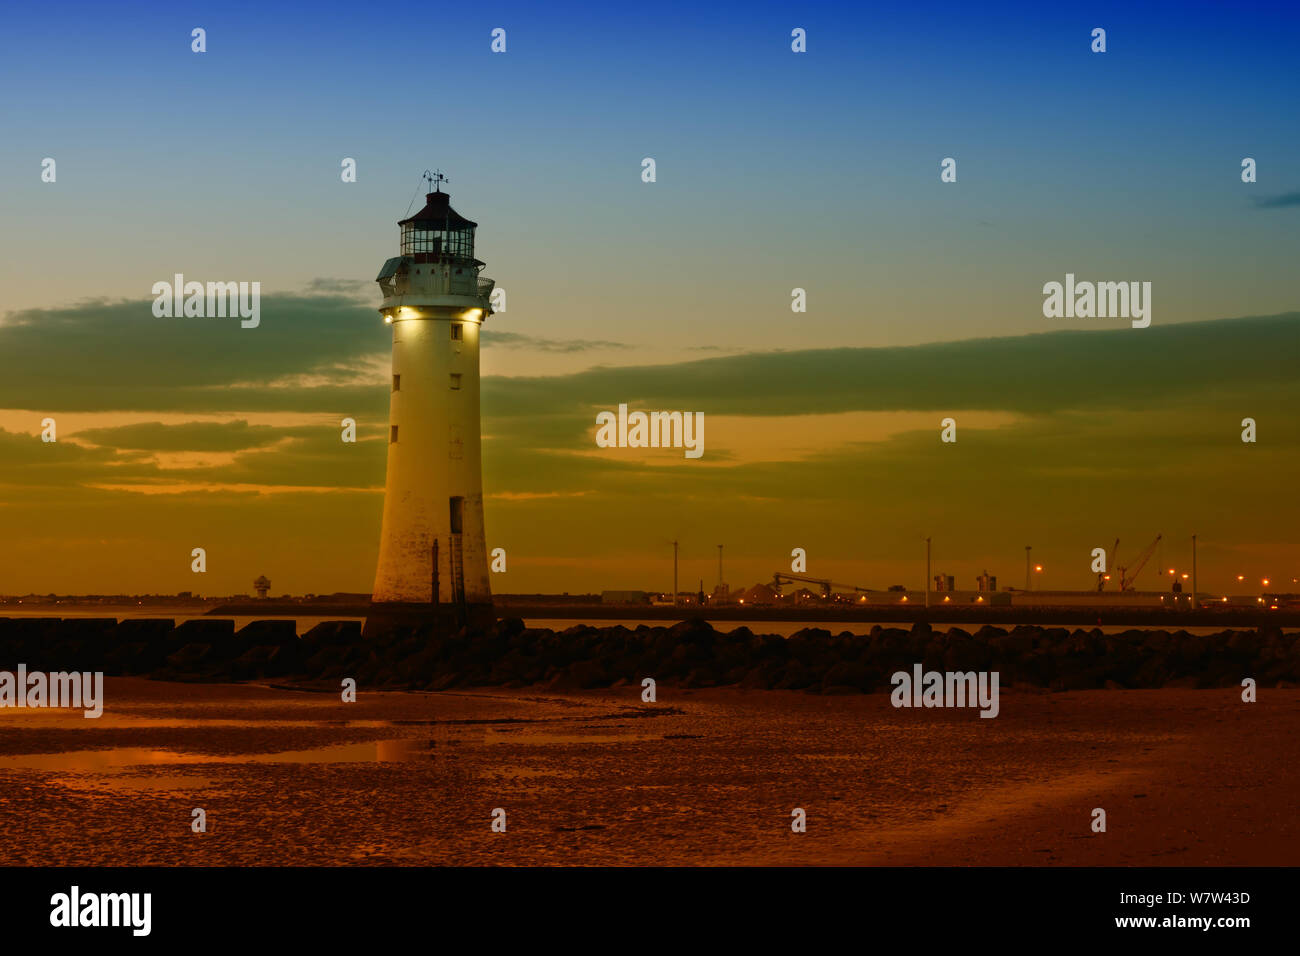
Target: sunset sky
[{"x": 775, "y": 170}]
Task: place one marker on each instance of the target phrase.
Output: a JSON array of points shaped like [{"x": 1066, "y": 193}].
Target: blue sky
[{"x": 775, "y": 170}]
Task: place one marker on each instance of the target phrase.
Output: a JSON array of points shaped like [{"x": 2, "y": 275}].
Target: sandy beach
[{"x": 704, "y": 776}]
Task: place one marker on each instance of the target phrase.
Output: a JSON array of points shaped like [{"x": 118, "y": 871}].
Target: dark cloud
[
  {"x": 1277, "y": 202},
  {"x": 116, "y": 356},
  {"x": 1033, "y": 374}
]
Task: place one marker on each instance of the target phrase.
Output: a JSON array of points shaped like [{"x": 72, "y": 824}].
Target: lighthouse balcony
[
  {"x": 407, "y": 275},
  {"x": 459, "y": 296}
]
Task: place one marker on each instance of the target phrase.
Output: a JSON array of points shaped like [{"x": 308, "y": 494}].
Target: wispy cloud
[
  {"x": 515, "y": 340},
  {"x": 356, "y": 288}
]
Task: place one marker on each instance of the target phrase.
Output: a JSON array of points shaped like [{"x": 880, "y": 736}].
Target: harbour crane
[
  {"x": 1128, "y": 574},
  {"x": 780, "y": 576}
]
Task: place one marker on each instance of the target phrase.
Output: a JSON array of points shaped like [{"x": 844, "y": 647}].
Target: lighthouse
[{"x": 432, "y": 551}]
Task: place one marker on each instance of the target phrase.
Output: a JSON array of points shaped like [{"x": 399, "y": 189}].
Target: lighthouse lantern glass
[{"x": 431, "y": 242}]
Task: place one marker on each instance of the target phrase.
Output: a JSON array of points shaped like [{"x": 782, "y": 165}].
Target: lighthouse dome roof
[{"x": 437, "y": 210}]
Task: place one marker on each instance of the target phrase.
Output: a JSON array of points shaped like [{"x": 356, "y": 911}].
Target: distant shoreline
[{"x": 1146, "y": 617}]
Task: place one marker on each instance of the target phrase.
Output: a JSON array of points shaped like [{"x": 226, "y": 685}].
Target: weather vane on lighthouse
[{"x": 433, "y": 552}]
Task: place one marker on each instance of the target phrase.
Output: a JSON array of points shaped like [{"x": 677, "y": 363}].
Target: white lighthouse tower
[{"x": 432, "y": 553}]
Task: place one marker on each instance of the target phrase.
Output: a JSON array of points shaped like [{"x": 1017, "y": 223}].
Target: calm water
[
  {"x": 307, "y": 622},
  {"x": 786, "y": 628}
]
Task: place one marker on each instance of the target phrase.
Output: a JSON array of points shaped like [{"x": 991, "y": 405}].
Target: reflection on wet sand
[{"x": 703, "y": 777}]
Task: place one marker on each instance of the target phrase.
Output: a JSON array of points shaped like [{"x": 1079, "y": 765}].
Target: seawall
[{"x": 689, "y": 653}]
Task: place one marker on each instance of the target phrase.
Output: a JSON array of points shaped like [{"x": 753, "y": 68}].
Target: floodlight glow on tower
[{"x": 433, "y": 552}]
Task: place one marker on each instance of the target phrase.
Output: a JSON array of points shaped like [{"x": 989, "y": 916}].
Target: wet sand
[{"x": 1187, "y": 777}]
